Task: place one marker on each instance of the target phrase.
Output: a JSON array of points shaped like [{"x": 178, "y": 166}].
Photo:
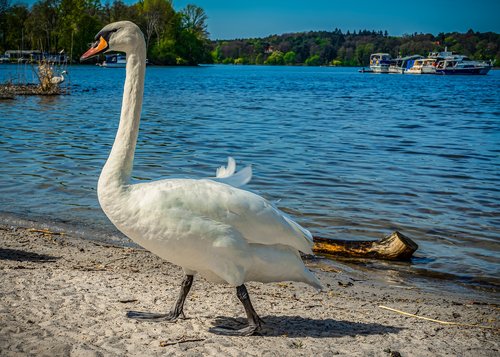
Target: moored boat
[
  {"x": 402, "y": 64},
  {"x": 380, "y": 62},
  {"x": 444, "y": 62},
  {"x": 115, "y": 61},
  {"x": 458, "y": 64},
  {"x": 423, "y": 66}
]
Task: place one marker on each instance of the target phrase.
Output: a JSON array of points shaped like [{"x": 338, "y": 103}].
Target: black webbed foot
[
  {"x": 254, "y": 321},
  {"x": 177, "y": 311},
  {"x": 151, "y": 316},
  {"x": 228, "y": 331}
]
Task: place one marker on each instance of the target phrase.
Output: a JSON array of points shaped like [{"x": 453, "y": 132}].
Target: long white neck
[{"x": 116, "y": 172}]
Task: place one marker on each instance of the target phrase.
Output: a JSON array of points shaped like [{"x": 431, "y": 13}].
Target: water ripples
[{"x": 350, "y": 155}]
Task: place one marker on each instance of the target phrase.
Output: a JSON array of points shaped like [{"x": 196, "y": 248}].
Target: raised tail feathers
[
  {"x": 226, "y": 171},
  {"x": 227, "y": 175}
]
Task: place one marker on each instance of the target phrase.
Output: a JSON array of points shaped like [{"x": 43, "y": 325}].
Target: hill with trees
[
  {"x": 173, "y": 38},
  {"x": 350, "y": 49}
]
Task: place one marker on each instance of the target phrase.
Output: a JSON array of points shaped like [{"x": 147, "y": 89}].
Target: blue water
[{"x": 349, "y": 155}]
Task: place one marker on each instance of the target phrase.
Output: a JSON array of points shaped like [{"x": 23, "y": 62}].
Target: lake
[{"x": 349, "y": 155}]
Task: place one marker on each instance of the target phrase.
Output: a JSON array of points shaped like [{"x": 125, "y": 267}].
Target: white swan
[
  {"x": 58, "y": 79},
  {"x": 225, "y": 234}
]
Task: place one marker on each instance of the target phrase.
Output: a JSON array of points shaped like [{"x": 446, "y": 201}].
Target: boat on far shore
[
  {"x": 380, "y": 62},
  {"x": 459, "y": 64},
  {"x": 436, "y": 63},
  {"x": 423, "y": 66},
  {"x": 115, "y": 61},
  {"x": 401, "y": 65}
]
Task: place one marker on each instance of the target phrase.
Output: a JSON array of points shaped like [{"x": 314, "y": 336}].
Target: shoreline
[
  {"x": 63, "y": 295},
  {"x": 405, "y": 272}
]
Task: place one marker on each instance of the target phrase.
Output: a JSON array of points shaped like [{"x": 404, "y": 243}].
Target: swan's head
[{"x": 122, "y": 36}]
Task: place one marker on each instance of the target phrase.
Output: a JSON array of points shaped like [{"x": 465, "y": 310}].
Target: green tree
[
  {"x": 216, "y": 55},
  {"x": 314, "y": 60},
  {"x": 158, "y": 14},
  {"x": 193, "y": 43},
  {"x": 240, "y": 60},
  {"x": 290, "y": 58},
  {"x": 78, "y": 25},
  {"x": 191, "y": 48},
  {"x": 13, "y": 32},
  {"x": 4, "y": 7},
  {"x": 119, "y": 11},
  {"x": 276, "y": 58},
  {"x": 165, "y": 52},
  {"x": 259, "y": 59},
  {"x": 362, "y": 53},
  {"x": 194, "y": 19},
  {"x": 41, "y": 25}
]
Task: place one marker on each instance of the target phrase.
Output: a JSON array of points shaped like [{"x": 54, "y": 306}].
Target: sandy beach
[{"x": 65, "y": 296}]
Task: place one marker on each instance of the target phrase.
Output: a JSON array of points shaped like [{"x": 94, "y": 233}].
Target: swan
[
  {"x": 206, "y": 226},
  {"x": 58, "y": 79}
]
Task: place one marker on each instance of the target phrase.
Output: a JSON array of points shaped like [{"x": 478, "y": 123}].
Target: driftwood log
[{"x": 393, "y": 247}]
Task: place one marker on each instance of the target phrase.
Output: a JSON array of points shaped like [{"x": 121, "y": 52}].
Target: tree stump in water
[{"x": 393, "y": 247}]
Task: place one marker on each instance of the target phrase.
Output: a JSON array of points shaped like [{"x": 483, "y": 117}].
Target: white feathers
[
  {"x": 58, "y": 79},
  {"x": 299, "y": 229},
  {"x": 226, "y": 171},
  {"x": 228, "y": 176}
]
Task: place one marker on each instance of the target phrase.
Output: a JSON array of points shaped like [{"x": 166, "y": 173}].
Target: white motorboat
[
  {"x": 401, "y": 64},
  {"x": 458, "y": 64},
  {"x": 380, "y": 62},
  {"x": 115, "y": 61},
  {"x": 423, "y": 66}
]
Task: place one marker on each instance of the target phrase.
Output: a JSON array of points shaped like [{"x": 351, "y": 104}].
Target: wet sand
[{"x": 65, "y": 296}]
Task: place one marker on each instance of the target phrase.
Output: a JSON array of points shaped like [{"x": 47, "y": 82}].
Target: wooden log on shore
[{"x": 393, "y": 247}]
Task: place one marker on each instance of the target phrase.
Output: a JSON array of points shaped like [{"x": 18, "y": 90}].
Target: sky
[
  {"x": 230, "y": 19},
  {"x": 259, "y": 18}
]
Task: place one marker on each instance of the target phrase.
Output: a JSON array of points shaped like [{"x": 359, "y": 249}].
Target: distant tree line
[
  {"x": 181, "y": 37},
  {"x": 350, "y": 49},
  {"x": 173, "y": 38}
]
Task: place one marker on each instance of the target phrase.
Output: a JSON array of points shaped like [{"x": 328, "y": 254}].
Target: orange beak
[{"x": 97, "y": 48}]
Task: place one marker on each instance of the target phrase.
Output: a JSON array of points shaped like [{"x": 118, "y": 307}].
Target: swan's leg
[
  {"x": 175, "y": 313},
  {"x": 254, "y": 321}
]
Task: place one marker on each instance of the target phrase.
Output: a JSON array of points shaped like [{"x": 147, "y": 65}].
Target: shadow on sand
[
  {"x": 296, "y": 326},
  {"x": 22, "y": 256}
]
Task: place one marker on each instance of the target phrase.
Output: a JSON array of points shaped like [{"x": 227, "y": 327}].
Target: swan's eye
[{"x": 105, "y": 34}]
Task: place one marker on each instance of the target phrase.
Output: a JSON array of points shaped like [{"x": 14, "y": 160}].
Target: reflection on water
[{"x": 351, "y": 156}]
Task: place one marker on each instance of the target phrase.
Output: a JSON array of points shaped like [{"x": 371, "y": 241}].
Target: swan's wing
[
  {"x": 263, "y": 223},
  {"x": 228, "y": 176},
  {"x": 257, "y": 220}
]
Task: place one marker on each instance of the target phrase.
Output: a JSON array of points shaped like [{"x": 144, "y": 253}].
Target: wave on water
[{"x": 73, "y": 229}]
